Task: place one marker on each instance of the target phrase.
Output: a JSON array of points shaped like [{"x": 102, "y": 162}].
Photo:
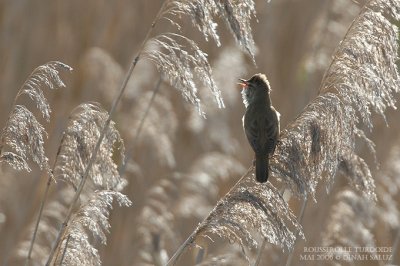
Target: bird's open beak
[{"x": 243, "y": 83}]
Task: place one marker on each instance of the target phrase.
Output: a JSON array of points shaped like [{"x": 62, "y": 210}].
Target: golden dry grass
[{"x": 181, "y": 164}]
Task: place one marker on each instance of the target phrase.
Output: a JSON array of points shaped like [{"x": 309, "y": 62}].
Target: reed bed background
[{"x": 171, "y": 181}]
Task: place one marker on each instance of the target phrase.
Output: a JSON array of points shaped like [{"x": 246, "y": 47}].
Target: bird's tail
[{"x": 261, "y": 168}]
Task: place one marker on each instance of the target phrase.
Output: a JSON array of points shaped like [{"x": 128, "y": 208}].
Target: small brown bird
[{"x": 260, "y": 122}]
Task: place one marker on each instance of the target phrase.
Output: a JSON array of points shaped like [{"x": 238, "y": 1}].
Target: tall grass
[{"x": 185, "y": 174}]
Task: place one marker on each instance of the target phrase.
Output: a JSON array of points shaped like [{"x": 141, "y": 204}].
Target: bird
[{"x": 260, "y": 122}]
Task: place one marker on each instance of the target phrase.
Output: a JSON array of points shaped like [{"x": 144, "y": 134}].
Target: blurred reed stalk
[
  {"x": 42, "y": 203},
  {"x": 132, "y": 146},
  {"x": 260, "y": 252},
  {"x": 300, "y": 219}
]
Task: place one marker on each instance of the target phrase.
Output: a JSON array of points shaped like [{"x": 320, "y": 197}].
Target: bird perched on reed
[{"x": 260, "y": 122}]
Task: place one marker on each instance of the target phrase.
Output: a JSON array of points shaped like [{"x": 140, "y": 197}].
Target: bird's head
[
  {"x": 258, "y": 81},
  {"x": 257, "y": 87}
]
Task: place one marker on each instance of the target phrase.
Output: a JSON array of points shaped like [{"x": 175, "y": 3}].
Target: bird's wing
[
  {"x": 272, "y": 129},
  {"x": 252, "y": 132}
]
